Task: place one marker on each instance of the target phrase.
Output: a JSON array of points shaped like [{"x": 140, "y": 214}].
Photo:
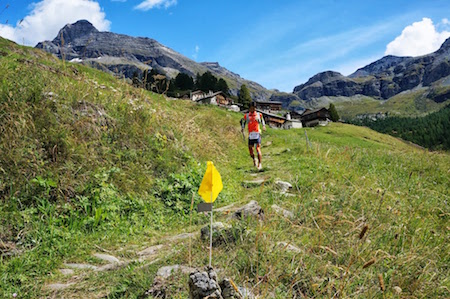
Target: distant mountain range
[
  {"x": 125, "y": 55},
  {"x": 380, "y": 80}
]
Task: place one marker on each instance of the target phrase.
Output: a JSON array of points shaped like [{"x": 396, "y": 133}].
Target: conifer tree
[
  {"x": 244, "y": 96},
  {"x": 333, "y": 113}
]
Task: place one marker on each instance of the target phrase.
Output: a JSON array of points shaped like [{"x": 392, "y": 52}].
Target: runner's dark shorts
[{"x": 252, "y": 142}]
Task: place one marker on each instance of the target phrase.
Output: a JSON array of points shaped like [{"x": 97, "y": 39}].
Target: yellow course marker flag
[{"x": 211, "y": 184}]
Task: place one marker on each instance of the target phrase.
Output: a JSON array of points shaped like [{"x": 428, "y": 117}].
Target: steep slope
[
  {"x": 124, "y": 55},
  {"x": 90, "y": 166}
]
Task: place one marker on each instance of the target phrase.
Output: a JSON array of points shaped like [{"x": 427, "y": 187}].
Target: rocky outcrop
[
  {"x": 381, "y": 79},
  {"x": 203, "y": 284},
  {"x": 125, "y": 55}
]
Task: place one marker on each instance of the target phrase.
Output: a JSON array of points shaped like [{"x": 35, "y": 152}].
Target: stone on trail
[
  {"x": 250, "y": 209},
  {"x": 66, "y": 271},
  {"x": 203, "y": 284},
  {"x": 254, "y": 183},
  {"x": 283, "y": 186},
  {"x": 111, "y": 267},
  {"x": 150, "y": 250},
  {"x": 106, "y": 257},
  {"x": 80, "y": 266},
  {"x": 281, "y": 211}
]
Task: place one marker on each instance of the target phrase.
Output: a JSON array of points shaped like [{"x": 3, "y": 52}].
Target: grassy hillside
[
  {"x": 405, "y": 104},
  {"x": 89, "y": 164}
]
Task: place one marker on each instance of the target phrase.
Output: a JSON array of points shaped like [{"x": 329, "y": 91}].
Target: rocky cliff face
[
  {"x": 124, "y": 55},
  {"x": 381, "y": 79}
]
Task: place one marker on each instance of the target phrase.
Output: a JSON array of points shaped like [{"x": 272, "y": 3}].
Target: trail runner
[{"x": 253, "y": 119}]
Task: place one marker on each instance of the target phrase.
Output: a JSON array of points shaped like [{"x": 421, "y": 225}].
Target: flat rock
[
  {"x": 250, "y": 209},
  {"x": 281, "y": 211},
  {"x": 283, "y": 186},
  {"x": 254, "y": 183},
  {"x": 150, "y": 250},
  {"x": 80, "y": 266},
  {"x": 66, "y": 271},
  {"x": 106, "y": 257},
  {"x": 111, "y": 267}
]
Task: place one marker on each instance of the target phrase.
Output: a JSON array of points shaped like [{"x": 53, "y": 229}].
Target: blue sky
[{"x": 279, "y": 44}]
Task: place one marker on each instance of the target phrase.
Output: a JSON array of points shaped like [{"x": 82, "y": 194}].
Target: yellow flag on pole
[{"x": 211, "y": 184}]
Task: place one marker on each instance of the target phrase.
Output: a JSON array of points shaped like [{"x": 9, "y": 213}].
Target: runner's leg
[
  {"x": 258, "y": 150},
  {"x": 250, "y": 149}
]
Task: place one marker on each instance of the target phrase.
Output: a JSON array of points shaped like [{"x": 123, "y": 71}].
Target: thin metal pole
[{"x": 211, "y": 232}]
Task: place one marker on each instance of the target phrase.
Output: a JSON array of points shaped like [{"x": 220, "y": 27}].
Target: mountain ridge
[
  {"x": 381, "y": 79},
  {"x": 126, "y": 55}
]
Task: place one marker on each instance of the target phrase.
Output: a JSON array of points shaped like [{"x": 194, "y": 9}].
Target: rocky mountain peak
[
  {"x": 379, "y": 66},
  {"x": 70, "y": 32},
  {"x": 445, "y": 47}
]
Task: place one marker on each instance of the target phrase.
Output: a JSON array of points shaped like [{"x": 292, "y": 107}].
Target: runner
[{"x": 254, "y": 118}]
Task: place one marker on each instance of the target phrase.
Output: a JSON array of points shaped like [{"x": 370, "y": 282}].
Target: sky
[{"x": 279, "y": 44}]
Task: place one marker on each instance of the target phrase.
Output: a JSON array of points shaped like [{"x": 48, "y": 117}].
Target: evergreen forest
[{"x": 431, "y": 131}]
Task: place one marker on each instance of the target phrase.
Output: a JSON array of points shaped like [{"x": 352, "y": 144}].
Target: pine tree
[
  {"x": 244, "y": 97},
  {"x": 222, "y": 86},
  {"x": 333, "y": 113}
]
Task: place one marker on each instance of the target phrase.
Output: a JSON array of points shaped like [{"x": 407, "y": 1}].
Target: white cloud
[
  {"x": 149, "y": 4},
  {"x": 417, "y": 39},
  {"x": 49, "y": 16},
  {"x": 197, "y": 49}
]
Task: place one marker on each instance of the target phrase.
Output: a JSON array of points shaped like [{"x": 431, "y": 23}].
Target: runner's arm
[
  {"x": 263, "y": 122},
  {"x": 243, "y": 122}
]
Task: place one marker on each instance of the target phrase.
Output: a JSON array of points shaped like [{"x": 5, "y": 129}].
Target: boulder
[
  {"x": 203, "y": 284},
  {"x": 230, "y": 290},
  {"x": 281, "y": 211},
  {"x": 283, "y": 186},
  {"x": 250, "y": 209}
]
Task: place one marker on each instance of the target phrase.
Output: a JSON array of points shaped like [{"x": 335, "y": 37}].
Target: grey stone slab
[
  {"x": 150, "y": 250},
  {"x": 66, "y": 271},
  {"x": 80, "y": 266},
  {"x": 107, "y": 257},
  {"x": 281, "y": 211}
]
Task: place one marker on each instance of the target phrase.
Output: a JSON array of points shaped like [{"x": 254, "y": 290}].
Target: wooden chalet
[
  {"x": 277, "y": 121},
  {"x": 311, "y": 118},
  {"x": 213, "y": 98},
  {"x": 268, "y": 106}
]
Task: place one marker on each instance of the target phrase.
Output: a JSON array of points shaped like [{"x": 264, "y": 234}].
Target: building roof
[
  {"x": 268, "y": 102},
  {"x": 313, "y": 111}
]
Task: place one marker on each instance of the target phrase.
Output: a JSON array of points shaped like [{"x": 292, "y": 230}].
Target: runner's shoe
[{"x": 259, "y": 166}]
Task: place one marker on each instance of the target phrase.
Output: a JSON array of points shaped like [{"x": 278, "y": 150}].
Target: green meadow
[{"x": 90, "y": 164}]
